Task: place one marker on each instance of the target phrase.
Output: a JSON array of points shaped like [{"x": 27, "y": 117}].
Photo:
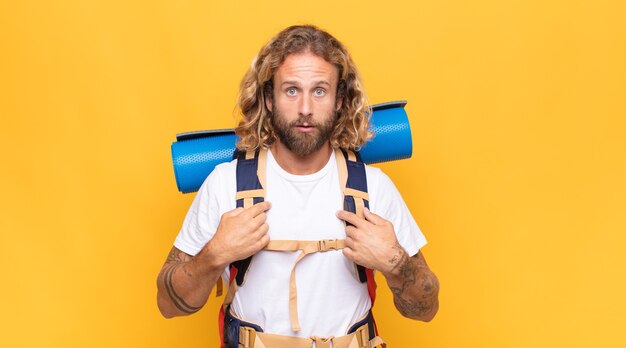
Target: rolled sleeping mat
[{"x": 195, "y": 154}]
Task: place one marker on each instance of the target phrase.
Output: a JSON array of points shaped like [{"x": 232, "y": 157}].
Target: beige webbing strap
[
  {"x": 359, "y": 203},
  {"x": 248, "y": 338},
  {"x": 378, "y": 341},
  {"x": 356, "y": 193},
  {"x": 362, "y": 338},
  {"x": 322, "y": 342},
  {"x": 249, "y": 195},
  {"x": 351, "y": 155},
  {"x": 307, "y": 247},
  {"x": 342, "y": 167},
  {"x": 230, "y": 295},
  {"x": 260, "y": 171},
  {"x": 219, "y": 287},
  {"x": 248, "y": 200},
  {"x": 359, "y": 207}
]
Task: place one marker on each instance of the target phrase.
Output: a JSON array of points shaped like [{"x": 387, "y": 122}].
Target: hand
[
  {"x": 240, "y": 234},
  {"x": 371, "y": 242}
]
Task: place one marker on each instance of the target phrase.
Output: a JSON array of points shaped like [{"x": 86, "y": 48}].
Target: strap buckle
[
  {"x": 327, "y": 244},
  {"x": 362, "y": 336},
  {"x": 323, "y": 342},
  {"x": 247, "y": 336}
]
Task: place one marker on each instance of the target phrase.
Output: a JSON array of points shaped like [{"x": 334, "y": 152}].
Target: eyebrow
[{"x": 297, "y": 83}]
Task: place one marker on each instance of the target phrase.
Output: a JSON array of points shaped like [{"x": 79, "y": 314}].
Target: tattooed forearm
[
  {"x": 415, "y": 288},
  {"x": 178, "y": 301},
  {"x": 173, "y": 282}
]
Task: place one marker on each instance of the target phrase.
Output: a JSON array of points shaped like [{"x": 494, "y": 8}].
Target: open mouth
[{"x": 305, "y": 127}]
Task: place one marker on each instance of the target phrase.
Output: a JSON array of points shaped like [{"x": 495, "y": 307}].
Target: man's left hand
[{"x": 371, "y": 242}]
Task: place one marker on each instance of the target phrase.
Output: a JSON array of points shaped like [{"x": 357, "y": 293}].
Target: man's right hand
[{"x": 242, "y": 232}]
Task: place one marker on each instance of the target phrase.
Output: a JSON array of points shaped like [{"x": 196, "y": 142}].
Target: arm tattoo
[
  {"x": 176, "y": 260},
  {"x": 176, "y": 299},
  {"x": 176, "y": 256},
  {"x": 418, "y": 280},
  {"x": 397, "y": 256}
]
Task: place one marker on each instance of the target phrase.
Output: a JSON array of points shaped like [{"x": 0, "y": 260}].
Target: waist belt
[
  {"x": 250, "y": 338},
  {"x": 242, "y": 334}
]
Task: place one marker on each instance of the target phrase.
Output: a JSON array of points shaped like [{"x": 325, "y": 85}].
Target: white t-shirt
[{"x": 330, "y": 296}]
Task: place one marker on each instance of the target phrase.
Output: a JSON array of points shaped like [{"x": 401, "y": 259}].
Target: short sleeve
[
  {"x": 212, "y": 200},
  {"x": 387, "y": 202}
]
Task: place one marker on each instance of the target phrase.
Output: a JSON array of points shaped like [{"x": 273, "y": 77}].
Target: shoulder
[
  {"x": 226, "y": 168},
  {"x": 387, "y": 202},
  {"x": 221, "y": 181},
  {"x": 215, "y": 197},
  {"x": 377, "y": 179},
  {"x": 384, "y": 197},
  {"x": 223, "y": 171}
]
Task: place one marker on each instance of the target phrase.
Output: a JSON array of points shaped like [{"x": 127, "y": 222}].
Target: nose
[{"x": 306, "y": 106}]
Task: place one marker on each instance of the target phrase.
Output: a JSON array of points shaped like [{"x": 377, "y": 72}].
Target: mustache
[{"x": 304, "y": 120}]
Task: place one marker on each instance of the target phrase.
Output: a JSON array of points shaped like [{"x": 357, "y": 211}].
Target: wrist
[
  {"x": 211, "y": 258},
  {"x": 394, "y": 269}
]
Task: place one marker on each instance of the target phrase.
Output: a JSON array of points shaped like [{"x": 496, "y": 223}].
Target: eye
[
  {"x": 319, "y": 92},
  {"x": 291, "y": 91}
]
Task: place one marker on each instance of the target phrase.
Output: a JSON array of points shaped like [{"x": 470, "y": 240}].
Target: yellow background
[{"x": 518, "y": 112}]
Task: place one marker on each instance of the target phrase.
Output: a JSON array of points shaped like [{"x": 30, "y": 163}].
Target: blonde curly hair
[{"x": 255, "y": 130}]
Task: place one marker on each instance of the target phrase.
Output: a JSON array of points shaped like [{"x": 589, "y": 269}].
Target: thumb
[{"x": 349, "y": 253}]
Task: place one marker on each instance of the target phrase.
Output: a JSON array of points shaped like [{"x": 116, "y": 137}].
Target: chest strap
[{"x": 306, "y": 247}]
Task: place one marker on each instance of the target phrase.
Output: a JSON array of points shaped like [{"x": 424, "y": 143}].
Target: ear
[
  {"x": 341, "y": 86},
  {"x": 268, "y": 92},
  {"x": 268, "y": 101}
]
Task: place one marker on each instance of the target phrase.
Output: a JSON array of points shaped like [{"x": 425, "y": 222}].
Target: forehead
[{"x": 306, "y": 66}]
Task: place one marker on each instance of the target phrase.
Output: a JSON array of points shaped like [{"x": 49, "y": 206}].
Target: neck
[{"x": 300, "y": 165}]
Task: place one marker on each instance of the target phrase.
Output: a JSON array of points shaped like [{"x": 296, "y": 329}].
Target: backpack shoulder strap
[
  {"x": 250, "y": 175},
  {"x": 250, "y": 191},
  {"x": 250, "y": 178},
  {"x": 353, "y": 183}
]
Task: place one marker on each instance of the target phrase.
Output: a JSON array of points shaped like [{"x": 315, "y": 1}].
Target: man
[{"x": 302, "y": 101}]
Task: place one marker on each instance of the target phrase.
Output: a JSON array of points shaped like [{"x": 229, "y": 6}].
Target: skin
[
  {"x": 304, "y": 96},
  {"x": 372, "y": 243},
  {"x": 305, "y": 85},
  {"x": 185, "y": 281}
]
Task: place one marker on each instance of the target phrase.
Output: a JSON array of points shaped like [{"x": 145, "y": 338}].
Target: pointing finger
[
  {"x": 257, "y": 209},
  {"x": 373, "y": 218},
  {"x": 350, "y": 218}
]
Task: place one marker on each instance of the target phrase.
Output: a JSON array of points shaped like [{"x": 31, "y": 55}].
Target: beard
[{"x": 303, "y": 143}]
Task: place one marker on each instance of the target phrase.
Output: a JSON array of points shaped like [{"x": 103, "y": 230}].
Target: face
[{"x": 304, "y": 102}]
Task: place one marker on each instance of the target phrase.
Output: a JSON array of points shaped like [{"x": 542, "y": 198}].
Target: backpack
[{"x": 250, "y": 174}]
